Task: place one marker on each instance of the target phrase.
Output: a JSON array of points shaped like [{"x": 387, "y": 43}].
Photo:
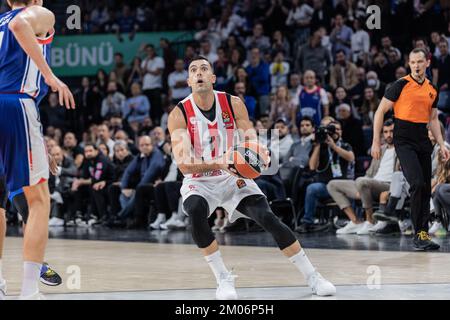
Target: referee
[{"x": 414, "y": 99}]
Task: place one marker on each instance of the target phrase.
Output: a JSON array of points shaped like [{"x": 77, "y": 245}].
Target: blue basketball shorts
[{"x": 23, "y": 154}]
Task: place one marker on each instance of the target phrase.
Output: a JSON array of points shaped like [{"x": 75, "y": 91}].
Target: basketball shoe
[
  {"x": 49, "y": 276},
  {"x": 320, "y": 286},
  {"x": 225, "y": 289}
]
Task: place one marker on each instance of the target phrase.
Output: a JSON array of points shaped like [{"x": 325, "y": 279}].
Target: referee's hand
[{"x": 375, "y": 151}]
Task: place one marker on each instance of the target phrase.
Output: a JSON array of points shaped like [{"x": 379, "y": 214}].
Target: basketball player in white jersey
[
  {"x": 26, "y": 33},
  {"x": 202, "y": 127}
]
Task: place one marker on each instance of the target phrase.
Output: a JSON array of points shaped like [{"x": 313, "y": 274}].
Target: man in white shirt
[
  {"x": 282, "y": 140},
  {"x": 377, "y": 180},
  {"x": 360, "y": 42},
  {"x": 152, "y": 69},
  {"x": 178, "y": 87},
  {"x": 104, "y": 136}
]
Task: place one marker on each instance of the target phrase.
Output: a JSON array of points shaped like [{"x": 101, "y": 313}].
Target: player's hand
[
  {"x": 65, "y": 96},
  {"x": 53, "y": 165},
  {"x": 231, "y": 170},
  {"x": 226, "y": 164},
  {"x": 445, "y": 153},
  {"x": 375, "y": 152}
]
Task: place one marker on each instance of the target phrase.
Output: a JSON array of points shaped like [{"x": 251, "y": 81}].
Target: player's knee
[
  {"x": 268, "y": 220},
  {"x": 197, "y": 209},
  {"x": 196, "y": 206},
  {"x": 281, "y": 232},
  {"x": 201, "y": 231}
]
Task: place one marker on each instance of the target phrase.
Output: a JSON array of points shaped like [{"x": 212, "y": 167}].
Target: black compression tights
[{"x": 255, "y": 207}]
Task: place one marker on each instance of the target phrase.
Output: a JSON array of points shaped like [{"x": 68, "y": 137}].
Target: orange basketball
[{"x": 249, "y": 159}]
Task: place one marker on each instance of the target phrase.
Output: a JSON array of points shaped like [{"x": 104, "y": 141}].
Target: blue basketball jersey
[
  {"x": 18, "y": 73},
  {"x": 310, "y": 105}
]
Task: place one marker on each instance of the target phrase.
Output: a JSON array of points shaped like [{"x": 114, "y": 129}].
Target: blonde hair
[
  {"x": 443, "y": 171},
  {"x": 287, "y": 96}
]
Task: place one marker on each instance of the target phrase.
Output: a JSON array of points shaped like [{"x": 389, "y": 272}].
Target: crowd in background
[{"x": 298, "y": 66}]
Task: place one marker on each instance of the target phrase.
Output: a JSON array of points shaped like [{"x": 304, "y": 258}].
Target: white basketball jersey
[{"x": 211, "y": 139}]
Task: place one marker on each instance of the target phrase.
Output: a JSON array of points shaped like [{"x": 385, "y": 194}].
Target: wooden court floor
[{"x": 107, "y": 266}]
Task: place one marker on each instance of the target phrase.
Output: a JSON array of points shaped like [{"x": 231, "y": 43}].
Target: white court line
[{"x": 344, "y": 292}]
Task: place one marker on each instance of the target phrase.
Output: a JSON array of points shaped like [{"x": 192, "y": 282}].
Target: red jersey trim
[{"x": 193, "y": 128}]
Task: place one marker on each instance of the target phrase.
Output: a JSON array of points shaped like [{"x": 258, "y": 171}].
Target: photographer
[{"x": 330, "y": 159}]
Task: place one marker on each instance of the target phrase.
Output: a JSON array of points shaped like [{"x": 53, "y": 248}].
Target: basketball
[{"x": 249, "y": 159}]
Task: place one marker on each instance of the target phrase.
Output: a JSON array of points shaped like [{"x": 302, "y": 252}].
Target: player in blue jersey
[
  {"x": 26, "y": 33},
  {"x": 48, "y": 275}
]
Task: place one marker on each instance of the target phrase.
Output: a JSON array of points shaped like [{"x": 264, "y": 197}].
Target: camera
[{"x": 323, "y": 132}]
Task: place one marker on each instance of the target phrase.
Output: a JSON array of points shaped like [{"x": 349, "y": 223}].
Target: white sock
[
  {"x": 1, "y": 274},
  {"x": 216, "y": 264},
  {"x": 31, "y": 275},
  {"x": 301, "y": 261}
]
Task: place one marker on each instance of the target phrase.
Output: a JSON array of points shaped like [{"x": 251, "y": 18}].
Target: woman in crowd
[{"x": 282, "y": 106}]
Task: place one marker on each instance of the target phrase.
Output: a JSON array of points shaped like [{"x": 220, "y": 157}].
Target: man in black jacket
[
  {"x": 138, "y": 179},
  {"x": 98, "y": 174},
  {"x": 122, "y": 158},
  {"x": 60, "y": 184},
  {"x": 352, "y": 131}
]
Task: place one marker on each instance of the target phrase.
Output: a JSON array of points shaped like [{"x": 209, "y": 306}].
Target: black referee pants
[{"x": 413, "y": 148}]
